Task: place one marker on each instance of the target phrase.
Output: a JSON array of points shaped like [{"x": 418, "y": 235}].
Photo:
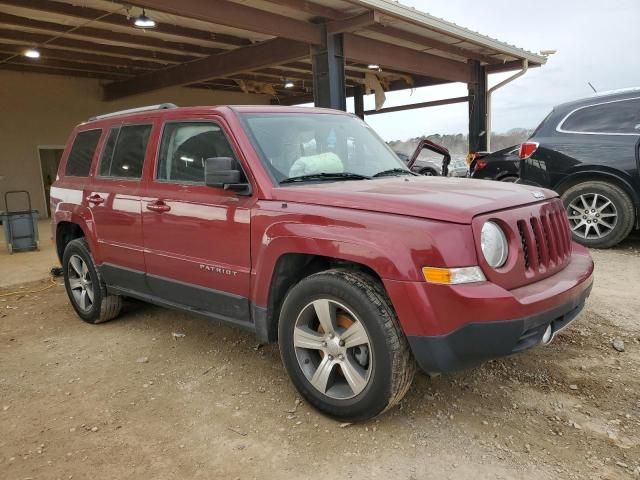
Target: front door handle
[
  {"x": 158, "y": 206},
  {"x": 95, "y": 199}
]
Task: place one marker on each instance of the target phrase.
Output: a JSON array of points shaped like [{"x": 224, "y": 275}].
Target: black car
[
  {"x": 502, "y": 165},
  {"x": 589, "y": 152}
]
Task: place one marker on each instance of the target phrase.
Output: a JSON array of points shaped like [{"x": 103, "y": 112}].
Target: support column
[
  {"x": 358, "y": 101},
  {"x": 329, "y": 88},
  {"x": 477, "y": 107}
]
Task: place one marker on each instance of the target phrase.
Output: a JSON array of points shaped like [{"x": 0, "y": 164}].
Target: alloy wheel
[
  {"x": 592, "y": 216},
  {"x": 80, "y": 283},
  {"x": 333, "y": 349}
]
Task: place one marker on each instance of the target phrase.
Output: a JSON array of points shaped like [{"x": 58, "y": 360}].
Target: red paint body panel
[
  {"x": 442, "y": 309},
  {"x": 394, "y": 226}
]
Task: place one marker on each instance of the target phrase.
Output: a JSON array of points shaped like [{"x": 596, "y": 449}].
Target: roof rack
[{"x": 161, "y": 106}]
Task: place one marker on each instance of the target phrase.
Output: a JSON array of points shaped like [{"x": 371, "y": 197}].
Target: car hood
[{"x": 436, "y": 198}]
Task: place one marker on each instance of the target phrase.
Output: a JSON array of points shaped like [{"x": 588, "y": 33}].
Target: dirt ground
[{"x": 128, "y": 399}]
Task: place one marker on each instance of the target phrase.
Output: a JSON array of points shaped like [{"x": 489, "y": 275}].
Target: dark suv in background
[{"x": 587, "y": 151}]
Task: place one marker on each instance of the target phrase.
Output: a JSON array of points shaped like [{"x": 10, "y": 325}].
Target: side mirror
[{"x": 224, "y": 172}]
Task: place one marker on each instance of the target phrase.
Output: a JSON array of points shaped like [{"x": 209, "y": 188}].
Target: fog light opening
[{"x": 547, "y": 336}]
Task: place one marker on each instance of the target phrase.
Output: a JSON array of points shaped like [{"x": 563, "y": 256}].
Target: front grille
[
  {"x": 539, "y": 243},
  {"x": 545, "y": 239}
]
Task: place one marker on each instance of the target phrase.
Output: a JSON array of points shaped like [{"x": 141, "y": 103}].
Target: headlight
[{"x": 494, "y": 244}]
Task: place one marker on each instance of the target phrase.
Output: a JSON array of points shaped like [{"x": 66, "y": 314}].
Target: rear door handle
[
  {"x": 158, "y": 206},
  {"x": 95, "y": 199}
]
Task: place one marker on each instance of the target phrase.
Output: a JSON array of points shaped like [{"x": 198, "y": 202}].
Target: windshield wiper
[
  {"x": 325, "y": 176},
  {"x": 393, "y": 171}
]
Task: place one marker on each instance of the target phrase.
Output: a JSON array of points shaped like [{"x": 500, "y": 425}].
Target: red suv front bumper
[{"x": 454, "y": 327}]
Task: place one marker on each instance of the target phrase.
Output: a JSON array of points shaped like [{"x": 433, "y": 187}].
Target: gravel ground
[{"x": 129, "y": 399}]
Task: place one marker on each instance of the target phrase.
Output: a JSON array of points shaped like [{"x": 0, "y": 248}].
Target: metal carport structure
[{"x": 323, "y": 51}]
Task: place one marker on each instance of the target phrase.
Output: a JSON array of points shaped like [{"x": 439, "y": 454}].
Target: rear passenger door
[
  {"x": 114, "y": 199},
  {"x": 196, "y": 237}
]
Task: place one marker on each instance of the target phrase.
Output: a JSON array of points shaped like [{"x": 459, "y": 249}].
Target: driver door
[{"x": 196, "y": 238}]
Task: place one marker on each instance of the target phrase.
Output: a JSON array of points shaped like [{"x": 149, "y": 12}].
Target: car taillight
[
  {"x": 480, "y": 164},
  {"x": 527, "y": 149}
]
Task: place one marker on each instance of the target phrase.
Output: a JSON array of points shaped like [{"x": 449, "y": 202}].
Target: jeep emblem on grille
[{"x": 538, "y": 194}]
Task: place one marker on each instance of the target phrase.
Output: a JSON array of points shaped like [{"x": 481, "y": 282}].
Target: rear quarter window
[
  {"x": 617, "y": 117},
  {"x": 82, "y": 152},
  {"x": 125, "y": 151}
]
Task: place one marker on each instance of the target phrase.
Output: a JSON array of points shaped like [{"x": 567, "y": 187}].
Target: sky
[{"x": 596, "y": 41}]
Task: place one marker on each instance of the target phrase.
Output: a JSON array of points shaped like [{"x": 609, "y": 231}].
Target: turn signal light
[
  {"x": 527, "y": 149},
  {"x": 453, "y": 276}
]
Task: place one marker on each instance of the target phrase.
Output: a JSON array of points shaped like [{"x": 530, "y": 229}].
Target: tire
[
  {"x": 509, "y": 179},
  {"x": 77, "y": 279},
  {"x": 606, "y": 207},
  {"x": 429, "y": 172},
  {"x": 386, "y": 362}
]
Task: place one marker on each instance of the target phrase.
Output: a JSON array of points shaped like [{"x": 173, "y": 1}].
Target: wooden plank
[
  {"x": 432, "y": 103},
  {"x": 432, "y": 43},
  {"x": 366, "y": 50},
  {"x": 333, "y": 14},
  {"x": 81, "y": 57},
  {"x": 119, "y": 19},
  {"x": 91, "y": 34},
  {"x": 353, "y": 24},
  {"x": 59, "y": 71},
  {"x": 265, "y": 54},
  {"x": 70, "y": 65},
  {"x": 239, "y": 16},
  {"x": 81, "y": 45}
]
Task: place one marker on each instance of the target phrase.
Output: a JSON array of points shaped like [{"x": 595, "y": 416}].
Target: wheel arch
[
  {"x": 66, "y": 231},
  {"x": 289, "y": 269},
  {"x": 612, "y": 177}
]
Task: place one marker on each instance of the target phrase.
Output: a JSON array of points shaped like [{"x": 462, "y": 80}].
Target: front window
[{"x": 320, "y": 147}]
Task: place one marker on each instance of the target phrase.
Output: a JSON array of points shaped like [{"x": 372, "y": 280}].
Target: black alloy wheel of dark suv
[{"x": 589, "y": 152}]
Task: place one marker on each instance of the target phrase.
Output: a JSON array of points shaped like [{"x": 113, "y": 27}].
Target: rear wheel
[
  {"x": 428, "y": 172},
  {"x": 342, "y": 346},
  {"x": 85, "y": 287},
  {"x": 509, "y": 178},
  {"x": 601, "y": 214}
]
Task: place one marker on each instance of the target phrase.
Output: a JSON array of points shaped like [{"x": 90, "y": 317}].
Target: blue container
[{"x": 20, "y": 226}]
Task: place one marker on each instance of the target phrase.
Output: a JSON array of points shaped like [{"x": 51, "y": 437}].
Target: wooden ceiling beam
[
  {"x": 431, "y": 43},
  {"x": 60, "y": 54},
  {"x": 239, "y": 16},
  {"x": 403, "y": 59},
  {"x": 71, "y": 65},
  {"x": 380, "y": 27},
  {"x": 265, "y": 54},
  {"x": 91, "y": 34},
  {"x": 119, "y": 19},
  {"x": 81, "y": 45},
  {"x": 60, "y": 71},
  {"x": 352, "y": 24}
]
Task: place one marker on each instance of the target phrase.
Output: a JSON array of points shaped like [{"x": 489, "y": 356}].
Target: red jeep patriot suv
[{"x": 302, "y": 226}]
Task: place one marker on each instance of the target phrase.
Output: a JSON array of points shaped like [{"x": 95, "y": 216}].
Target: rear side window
[
  {"x": 186, "y": 146},
  {"x": 124, "y": 151},
  {"x": 82, "y": 151},
  {"x": 617, "y": 117}
]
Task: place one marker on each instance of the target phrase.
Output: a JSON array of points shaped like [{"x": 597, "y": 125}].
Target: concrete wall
[{"x": 41, "y": 110}]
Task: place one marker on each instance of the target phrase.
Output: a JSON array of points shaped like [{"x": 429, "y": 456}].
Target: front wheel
[
  {"x": 601, "y": 214},
  {"x": 85, "y": 288},
  {"x": 342, "y": 346}
]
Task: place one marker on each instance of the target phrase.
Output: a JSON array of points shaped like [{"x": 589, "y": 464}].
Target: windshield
[{"x": 320, "y": 147}]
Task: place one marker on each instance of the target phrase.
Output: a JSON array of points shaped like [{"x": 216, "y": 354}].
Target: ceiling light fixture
[
  {"x": 32, "y": 53},
  {"x": 142, "y": 21},
  {"x": 373, "y": 66},
  {"x": 288, "y": 84}
]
